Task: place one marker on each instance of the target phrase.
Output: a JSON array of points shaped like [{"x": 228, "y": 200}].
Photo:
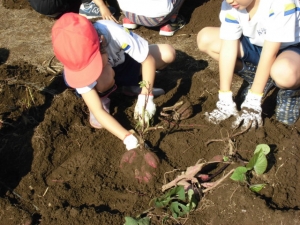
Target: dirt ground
[{"x": 56, "y": 169}]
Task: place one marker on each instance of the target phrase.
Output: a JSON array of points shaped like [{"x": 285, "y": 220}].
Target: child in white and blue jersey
[{"x": 259, "y": 41}]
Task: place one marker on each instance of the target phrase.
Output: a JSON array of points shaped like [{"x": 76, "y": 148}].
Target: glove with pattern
[{"x": 250, "y": 112}]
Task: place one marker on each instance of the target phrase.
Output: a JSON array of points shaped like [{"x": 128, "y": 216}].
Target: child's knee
[
  {"x": 171, "y": 54},
  {"x": 200, "y": 40},
  {"x": 167, "y": 53},
  {"x": 285, "y": 75},
  {"x": 203, "y": 39}
]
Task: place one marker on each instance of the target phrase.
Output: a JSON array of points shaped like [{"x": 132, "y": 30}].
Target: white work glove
[
  {"x": 226, "y": 108},
  {"x": 131, "y": 142},
  {"x": 150, "y": 108},
  {"x": 250, "y": 112}
]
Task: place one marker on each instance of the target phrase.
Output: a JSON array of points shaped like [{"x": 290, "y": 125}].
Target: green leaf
[
  {"x": 130, "y": 221},
  {"x": 192, "y": 201},
  {"x": 180, "y": 193},
  {"x": 261, "y": 163},
  {"x": 190, "y": 194},
  {"x": 177, "y": 192},
  {"x": 258, "y": 162},
  {"x": 252, "y": 161},
  {"x": 178, "y": 209},
  {"x": 162, "y": 202},
  {"x": 141, "y": 221},
  {"x": 174, "y": 193},
  {"x": 239, "y": 174},
  {"x": 257, "y": 187},
  {"x": 142, "y": 83},
  {"x": 225, "y": 158},
  {"x": 144, "y": 221},
  {"x": 264, "y": 147}
]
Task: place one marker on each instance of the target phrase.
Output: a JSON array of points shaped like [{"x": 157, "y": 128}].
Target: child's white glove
[
  {"x": 150, "y": 108},
  {"x": 131, "y": 142},
  {"x": 250, "y": 111},
  {"x": 226, "y": 108}
]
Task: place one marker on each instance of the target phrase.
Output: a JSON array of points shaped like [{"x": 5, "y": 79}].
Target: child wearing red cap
[{"x": 96, "y": 56}]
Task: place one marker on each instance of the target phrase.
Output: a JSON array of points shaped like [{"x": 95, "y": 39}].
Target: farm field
[{"x": 55, "y": 169}]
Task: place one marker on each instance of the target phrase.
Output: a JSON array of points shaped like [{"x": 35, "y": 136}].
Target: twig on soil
[
  {"x": 229, "y": 138},
  {"x": 280, "y": 167},
  {"x": 242, "y": 131},
  {"x": 186, "y": 219},
  {"x": 233, "y": 192},
  {"x": 165, "y": 181},
  {"x": 190, "y": 148},
  {"x": 135, "y": 192},
  {"x": 218, "y": 181},
  {"x": 218, "y": 172},
  {"x": 51, "y": 68},
  {"x": 155, "y": 128},
  {"x": 45, "y": 192},
  {"x": 292, "y": 153}
]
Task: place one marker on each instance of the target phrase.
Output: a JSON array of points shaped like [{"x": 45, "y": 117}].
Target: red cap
[{"x": 76, "y": 44}]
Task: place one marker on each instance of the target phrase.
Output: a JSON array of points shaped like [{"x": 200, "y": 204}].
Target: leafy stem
[{"x": 258, "y": 163}]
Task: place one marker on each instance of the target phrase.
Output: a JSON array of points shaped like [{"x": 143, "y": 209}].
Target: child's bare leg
[
  {"x": 286, "y": 71},
  {"x": 209, "y": 42},
  {"x": 163, "y": 54}
]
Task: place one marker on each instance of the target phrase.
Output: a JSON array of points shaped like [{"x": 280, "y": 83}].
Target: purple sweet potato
[
  {"x": 128, "y": 157},
  {"x": 151, "y": 159}
]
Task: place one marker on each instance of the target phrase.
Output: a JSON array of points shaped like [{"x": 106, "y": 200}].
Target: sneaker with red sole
[
  {"x": 127, "y": 23},
  {"x": 171, "y": 27}
]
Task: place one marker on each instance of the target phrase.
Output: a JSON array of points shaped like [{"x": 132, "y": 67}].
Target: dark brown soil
[{"x": 56, "y": 169}]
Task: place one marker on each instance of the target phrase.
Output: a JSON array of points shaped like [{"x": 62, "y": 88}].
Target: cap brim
[{"x": 85, "y": 77}]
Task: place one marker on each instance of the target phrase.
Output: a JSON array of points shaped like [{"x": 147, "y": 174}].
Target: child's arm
[
  {"x": 267, "y": 58},
  {"x": 148, "y": 73},
  {"x": 227, "y": 61},
  {"x": 251, "y": 107},
  {"x": 225, "y": 107},
  {"x": 93, "y": 102},
  {"x": 105, "y": 12}
]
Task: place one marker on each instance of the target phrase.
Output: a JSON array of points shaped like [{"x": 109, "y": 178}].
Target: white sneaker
[{"x": 93, "y": 121}]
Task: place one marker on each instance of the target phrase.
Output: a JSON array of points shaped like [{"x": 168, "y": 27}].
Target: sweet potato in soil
[
  {"x": 140, "y": 163},
  {"x": 55, "y": 169}
]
